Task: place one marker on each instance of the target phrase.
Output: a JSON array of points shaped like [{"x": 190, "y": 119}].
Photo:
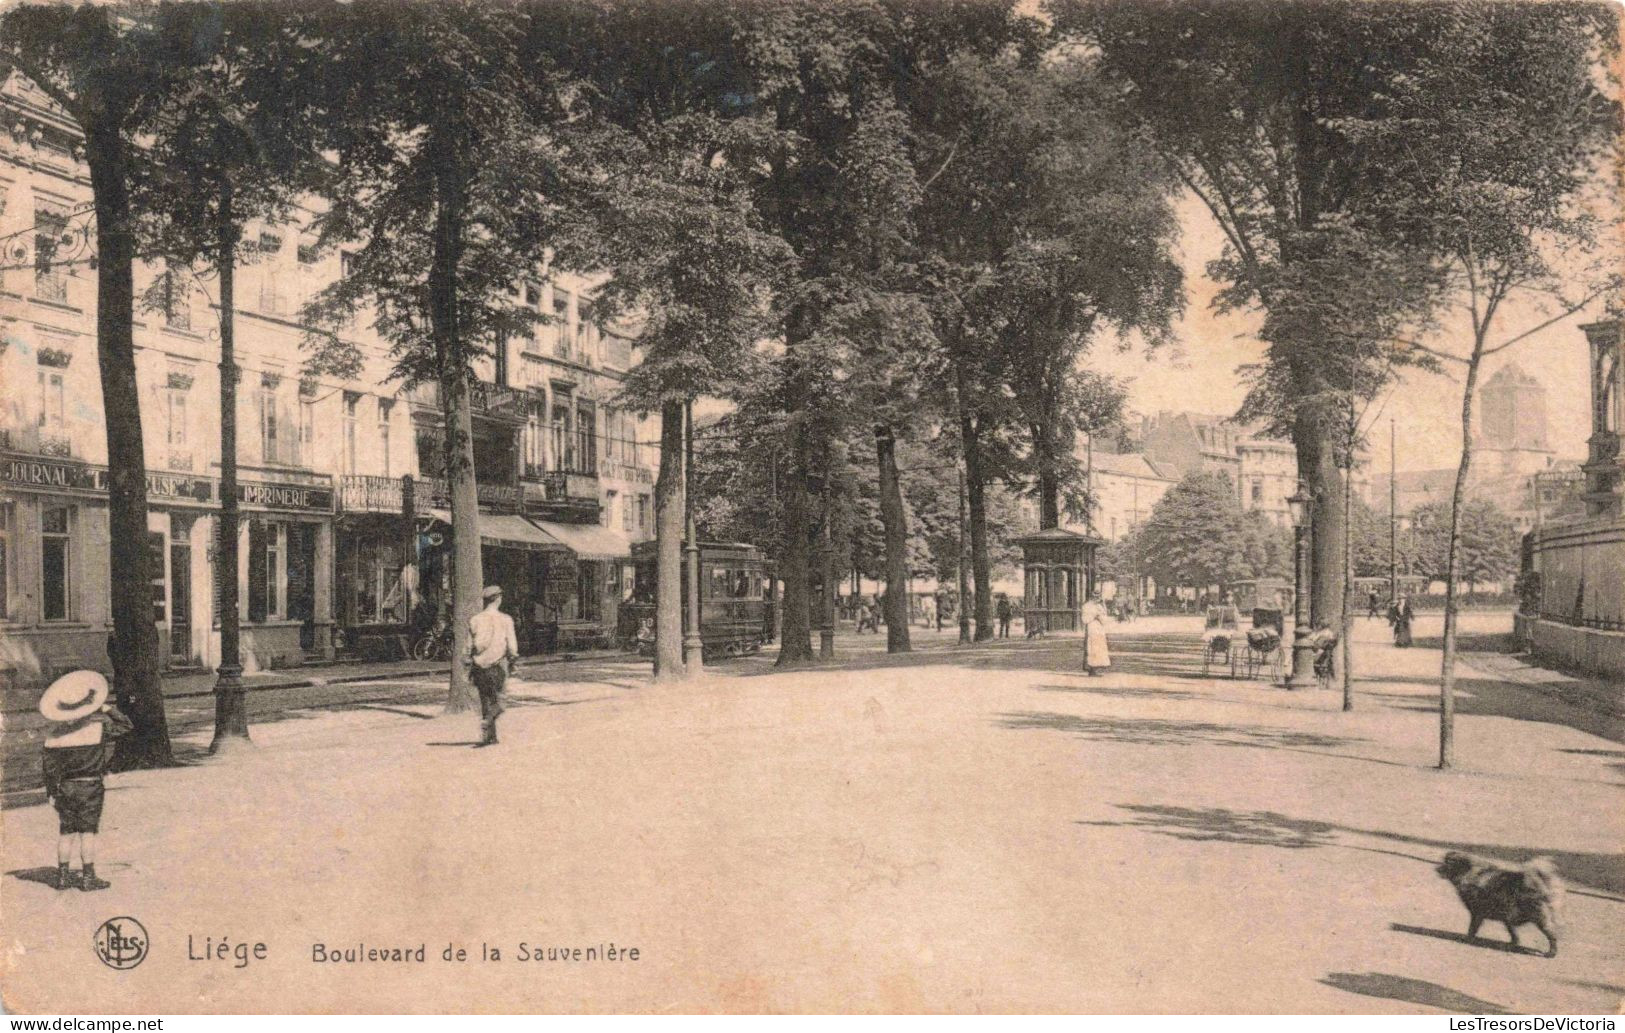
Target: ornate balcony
[{"x": 360, "y": 493}]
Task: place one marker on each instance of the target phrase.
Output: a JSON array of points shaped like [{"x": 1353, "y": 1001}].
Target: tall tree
[
  {"x": 1260, "y": 108},
  {"x": 673, "y": 224},
  {"x": 102, "y": 64},
  {"x": 234, "y": 142},
  {"x": 838, "y": 80},
  {"x": 449, "y": 123},
  {"x": 1509, "y": 153}
]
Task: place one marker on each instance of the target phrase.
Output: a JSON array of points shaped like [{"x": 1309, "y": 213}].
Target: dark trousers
[
  {"x": 489, "y": 681},
  {"x": 1004, "y": 627}
]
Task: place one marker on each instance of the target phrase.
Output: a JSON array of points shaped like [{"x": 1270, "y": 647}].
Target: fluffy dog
[{"x": 1514, "y": 896}]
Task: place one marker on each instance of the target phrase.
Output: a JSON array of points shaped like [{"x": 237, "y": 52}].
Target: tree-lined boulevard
[{"x": 982, "y": 830}]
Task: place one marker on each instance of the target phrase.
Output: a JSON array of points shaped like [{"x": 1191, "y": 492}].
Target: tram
[{"x": 735, "y": 600}]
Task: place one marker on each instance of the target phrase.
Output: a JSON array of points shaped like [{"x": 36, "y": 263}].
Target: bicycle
[{"x": 435, "y": 643}]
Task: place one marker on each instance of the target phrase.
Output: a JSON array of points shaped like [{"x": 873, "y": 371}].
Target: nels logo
[{"x": 121, "y": 943}]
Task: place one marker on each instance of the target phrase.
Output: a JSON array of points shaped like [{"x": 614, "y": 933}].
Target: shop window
[
  {"x": 562, "y": 590},
  {"x": 376, "y": 594},
  {"x": 56, "y": 563},
  {"x": 587, "y": 590},
  {"x": 267, "y": 570}
]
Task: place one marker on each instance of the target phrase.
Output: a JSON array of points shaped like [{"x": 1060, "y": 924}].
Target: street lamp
[{"x": 1303, "y": 662}]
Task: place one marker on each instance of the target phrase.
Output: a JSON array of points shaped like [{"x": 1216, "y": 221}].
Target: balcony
[
  {"x": 486, "y": 398},
  {"x": 52, "y": 287},
  {"x": 55, "y": 445},
  {"x": 360, "y": 493},
  {"x": 179, "y": 460}
]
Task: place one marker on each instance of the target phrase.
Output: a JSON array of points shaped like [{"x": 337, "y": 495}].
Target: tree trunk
[
  {"x": 1049, "y": 488},
  {"x": 1447, "y": 670},
  {"x": 981, "y": 565},
  {"x": 895, "y": 521},
  {"x": 1318, "y": 469},
  {"x": 230, "y": 703},
  {"x": 467, "y": 570},
  {"x": 795, "y": 615},
  {"x": 669, "y": 510},
  {"x": 1348, "y": 582},
  {"x": 133, "y": 645}
]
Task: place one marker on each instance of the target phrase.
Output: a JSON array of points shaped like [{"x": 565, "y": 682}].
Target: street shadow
[
  {"x": 1481, "y": 642},
  {"x": 1255, "y": 828},
  {"x": 1121, "y": 692},
  {"x": 466, "y": 742},
  {"x": 1411, "y": 991},
  {"x": 1600, "y": 872},
  {"x": 1155, "y": 732},
  {"x": 1505, "y": 946},
  {"x": 1483, "y": 697}
]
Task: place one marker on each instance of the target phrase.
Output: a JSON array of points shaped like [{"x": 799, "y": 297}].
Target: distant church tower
[{"x": 1513, "y": 430}]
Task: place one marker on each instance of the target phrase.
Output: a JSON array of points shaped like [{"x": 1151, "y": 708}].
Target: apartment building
[{"x": 346, "y": 533}]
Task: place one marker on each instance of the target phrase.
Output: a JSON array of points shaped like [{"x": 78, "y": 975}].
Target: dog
[{"x": 1514, "y": 896}]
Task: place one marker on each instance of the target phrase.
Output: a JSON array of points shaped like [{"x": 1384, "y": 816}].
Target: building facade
[
  {"x": 1573, "y": 610},
  {"x": 1125, "y": 487},
  {"x": 345, "y": 529}
]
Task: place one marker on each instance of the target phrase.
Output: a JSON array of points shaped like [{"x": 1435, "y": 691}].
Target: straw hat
[{"x": 73, "y": 696}]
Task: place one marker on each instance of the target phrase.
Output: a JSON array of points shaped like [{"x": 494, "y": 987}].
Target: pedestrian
[
  {"x": 492, "y": 650},
  {"x": 1400, "y": 616},
  {"x": 1096, "y": 653},
  {"x": 1004, "y": 612},
  {"x": 78, "y": 750},
  {"x": 942, "y": 608},
  {"x": 1371, "y": 605},
  {"x": 928, "y": 611}
]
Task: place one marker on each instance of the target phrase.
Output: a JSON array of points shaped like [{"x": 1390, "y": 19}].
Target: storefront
[
  {"x": 55, "y": 582},
  {"x": 581, "y": 589}
]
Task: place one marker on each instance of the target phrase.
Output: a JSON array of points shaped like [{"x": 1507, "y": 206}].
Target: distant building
[
  {"x": 1125, "y": 488},
  {"x": 1512, "y": 431},
  {"x": 1183, "y": 443}
]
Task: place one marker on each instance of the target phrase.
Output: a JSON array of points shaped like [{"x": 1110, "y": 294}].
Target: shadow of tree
[
  {"x": 1484, "y": 697},
  {"x": 1604, "y": 872},
  {"x": 1411, "y": 991},
  {"x": 1121, "y": 691},
  {"x": 1156, "y": 732},
  {"x": 1255, "y": 828}
]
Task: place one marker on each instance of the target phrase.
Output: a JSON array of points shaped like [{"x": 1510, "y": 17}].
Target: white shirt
[{"x": 494, "y": 639}]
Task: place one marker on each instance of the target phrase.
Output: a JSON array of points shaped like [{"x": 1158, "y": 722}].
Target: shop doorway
[{"x": 180, "y": 590}]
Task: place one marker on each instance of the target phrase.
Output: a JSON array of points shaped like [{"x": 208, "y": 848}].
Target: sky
[{"x": 1199, "y": 372}]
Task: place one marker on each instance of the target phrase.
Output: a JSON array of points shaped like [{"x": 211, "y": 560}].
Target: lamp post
[{"x": 1303, "y": 661}]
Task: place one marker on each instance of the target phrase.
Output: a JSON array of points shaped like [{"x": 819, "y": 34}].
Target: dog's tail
[{"x": 1541, "y": 875}]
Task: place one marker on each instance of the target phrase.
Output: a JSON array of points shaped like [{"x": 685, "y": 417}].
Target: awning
[
  {"x": 504, "y": 531},
  {"x": 588, "y": 541}
]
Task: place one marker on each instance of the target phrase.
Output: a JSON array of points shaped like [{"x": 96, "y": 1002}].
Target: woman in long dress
[
  {"x": 1096, "y": 653},
  {"x": 1400, "y": 617}
]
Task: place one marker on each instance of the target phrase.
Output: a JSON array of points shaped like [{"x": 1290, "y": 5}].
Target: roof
[
  {"x": 1059, "y": 534},
  {"x": 1127, "y": 464}
]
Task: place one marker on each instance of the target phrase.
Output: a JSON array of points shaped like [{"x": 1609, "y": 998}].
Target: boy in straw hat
[
  {"x": 78, "y": 750},
  {"x": 492, "y": 648}
]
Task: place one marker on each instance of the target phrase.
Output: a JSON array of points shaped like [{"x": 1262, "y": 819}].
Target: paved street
[{"x": 955, "y": 830}]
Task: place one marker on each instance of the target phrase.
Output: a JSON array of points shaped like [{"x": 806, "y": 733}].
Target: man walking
[
  {"x": 492, "y": 648},
  {"x": 1004, "y": 612}
]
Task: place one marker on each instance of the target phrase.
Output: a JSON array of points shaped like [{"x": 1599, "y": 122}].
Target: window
[
  {"x": 563, "y": 447},
  {"x": 607, "y": 516},
  {"x": 643, "y": 512},
  {"x": 628, "y": 516},
  {"x": 270, "y": 243},
  {"x": 586, "y": 437},
  {"x": 269, "y": 450},
  {"x": 533, "y": 295},
  {"x": 267, "y": 569},
  {"x": 56, "y": 563},
  {"x": 347, "y": 261},
  {"x": 307, "y": 429},
  {"x": 51, "y": 400},
  {"x": 50, "y": 227},
  {"x": 561, "y": 323},
  {"x": 7, "y": 590},
  {"x": 373, "y": 581},
  {"x": 385, "y": 409},
  {"x": 535, "y": 422},
  {"x": 588, "y": 591},
  {"x": 176, "y": 417},
  {"x": 307, "y": 254},
  {"x": 351, "y": 420},
  {"x": 1258, "y": 492}
]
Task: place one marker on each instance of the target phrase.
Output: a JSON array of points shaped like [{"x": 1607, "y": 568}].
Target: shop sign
[
  {"x": 44, "y": 474},
  {"x": 277, "y": 495}
]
